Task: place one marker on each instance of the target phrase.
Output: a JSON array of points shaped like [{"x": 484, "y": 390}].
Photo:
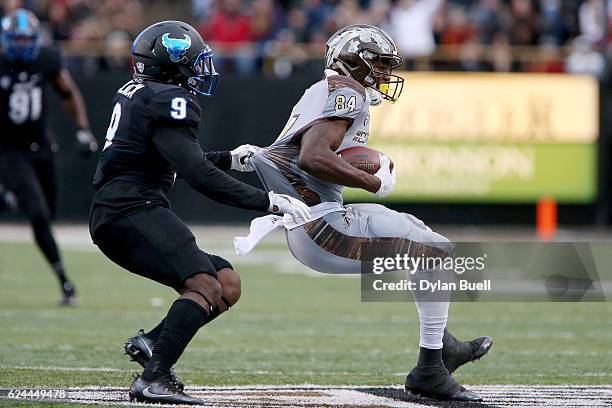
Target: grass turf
[{"x": 286, "y": 329}]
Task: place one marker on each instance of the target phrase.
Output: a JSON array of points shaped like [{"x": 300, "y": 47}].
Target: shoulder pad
[
  {"x": 346, "y": 98},
  {"x": 159, "y": 87},
  {"x": 175, "y": 107},
  {"x": 335, "y": 82}
]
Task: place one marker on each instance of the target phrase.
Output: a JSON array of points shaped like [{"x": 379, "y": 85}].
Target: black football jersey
[
  {"x": 23, "y": 88},
  {"x": 131, "y": 172}
]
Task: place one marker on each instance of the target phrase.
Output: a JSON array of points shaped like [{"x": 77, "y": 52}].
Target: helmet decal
[
  {"x": 23, "y": 23},
  {"x": 353, "y": 36},
  {"x": 336, "y": 43},
  {"x": 176, "y": 47},
  {"x": 365, "y": 36}
]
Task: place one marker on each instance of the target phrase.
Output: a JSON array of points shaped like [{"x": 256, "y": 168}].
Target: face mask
[{"x": 205, "y": 80}]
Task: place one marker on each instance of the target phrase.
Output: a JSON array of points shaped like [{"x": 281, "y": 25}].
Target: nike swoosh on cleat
[
  {"x": 147, "y": 346},
  {"x": 146, "y": 393}
]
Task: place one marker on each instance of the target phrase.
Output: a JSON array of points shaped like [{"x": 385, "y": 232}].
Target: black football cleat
[
  {"x": 68, "y": 294},
  {"x": 437, "y": 383},
  {"x": 140, "y": 350},
  {"x": 456, "y": 353},
  {"x": 160, "y": 391}
]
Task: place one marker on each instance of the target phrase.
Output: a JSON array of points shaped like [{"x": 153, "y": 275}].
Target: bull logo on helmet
[{"x": 176, "y": 47}]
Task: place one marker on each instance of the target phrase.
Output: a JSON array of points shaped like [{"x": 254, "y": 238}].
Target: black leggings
[{"x": 31, "y": 176}]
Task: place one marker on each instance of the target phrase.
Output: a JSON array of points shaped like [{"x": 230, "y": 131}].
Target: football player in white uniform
[{"x": 332, "y": 115}]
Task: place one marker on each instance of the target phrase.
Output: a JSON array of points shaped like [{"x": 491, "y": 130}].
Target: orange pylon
[{"x": 546, "y": 218}]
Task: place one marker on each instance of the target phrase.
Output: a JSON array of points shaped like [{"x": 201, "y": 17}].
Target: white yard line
[
  {"x": 246, "y": 372},
  {"x": 307, "y": 395}
]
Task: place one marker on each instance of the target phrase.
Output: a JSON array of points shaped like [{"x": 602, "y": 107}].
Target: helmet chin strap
[
  {"x": 375, "y": 96},
  {"x": 342, "y": 68}
]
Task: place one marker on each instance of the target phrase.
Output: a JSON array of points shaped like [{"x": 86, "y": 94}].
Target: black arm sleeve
[
  {"x": 222, "y": 160},
  {"x": 181, "y": 149}
]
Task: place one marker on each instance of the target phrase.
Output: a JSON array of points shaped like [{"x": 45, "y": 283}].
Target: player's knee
[
  {"x": 231, "y": 286},
  {"x": 206, "y": 285},
  {"x": 438, "y": 241},
  {"x": 447, "y": 246}
]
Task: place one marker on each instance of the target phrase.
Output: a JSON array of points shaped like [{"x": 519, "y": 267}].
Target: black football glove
[{"x": 86, "y": 142}]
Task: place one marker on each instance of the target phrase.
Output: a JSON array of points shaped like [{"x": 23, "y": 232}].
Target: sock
[
  {"x": 432, "y": 321},
  {"x": 46, "y": 242},
  {"x": 183, "y": 320},
  {"x": 214, "y": 313},
  {"x": 58, "y": 269},
  {"x": 154, "y": 333},
  {"x": 429, "y": 357},
  {"x": 433, "y": 311}
]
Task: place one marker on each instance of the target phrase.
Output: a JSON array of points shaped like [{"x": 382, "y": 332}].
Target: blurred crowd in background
[{"x": 286, "y": 37}]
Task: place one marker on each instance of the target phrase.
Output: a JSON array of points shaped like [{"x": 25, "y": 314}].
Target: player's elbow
[
  {"x": 303, "y": 163},
  {"x": 196, "y": 177}
]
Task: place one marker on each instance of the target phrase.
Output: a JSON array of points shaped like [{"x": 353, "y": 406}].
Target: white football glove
[
  {"x": 386, "y": 177},
  {"x": 241, "y": 155},
  {"x": 282, "y": 203},
  {"x": 87, "y": 143}
]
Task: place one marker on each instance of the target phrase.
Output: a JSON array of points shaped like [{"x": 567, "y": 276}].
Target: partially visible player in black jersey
[
  {"x": 27, "y": 166},
  {"x": 152, "y": 138}
]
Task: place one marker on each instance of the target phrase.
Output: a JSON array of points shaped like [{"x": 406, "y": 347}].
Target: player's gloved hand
[
  {"x": 241, "y": 156},
  {"x": 87, "y": 144},
  {"x": 386, "y": 176},
  {"x": 282, "y": 203},
  {"x": 8, "y": 199}
]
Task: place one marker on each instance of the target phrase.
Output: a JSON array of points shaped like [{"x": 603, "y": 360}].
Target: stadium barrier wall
[{"x": 254, "y": 110}]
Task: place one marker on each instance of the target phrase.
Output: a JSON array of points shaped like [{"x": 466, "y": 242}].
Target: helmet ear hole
[{"x": 369, "y": 55}]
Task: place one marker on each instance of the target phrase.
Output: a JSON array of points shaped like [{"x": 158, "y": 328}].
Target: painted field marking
[{"x": 311, "y": 396}]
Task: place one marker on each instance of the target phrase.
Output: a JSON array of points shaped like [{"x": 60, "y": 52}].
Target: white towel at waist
[{"x": 262, "y": 226}]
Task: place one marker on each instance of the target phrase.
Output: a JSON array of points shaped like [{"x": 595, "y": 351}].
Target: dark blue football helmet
[
  {"x": 174, "y": 52},
  {"x": 20, "y": 36}
]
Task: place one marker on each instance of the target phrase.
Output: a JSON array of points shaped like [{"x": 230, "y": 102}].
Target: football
[{"x": 363, "y": 158}]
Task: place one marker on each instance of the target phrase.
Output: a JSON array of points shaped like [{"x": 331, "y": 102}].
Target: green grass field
[{"x": 287, "y": 329}]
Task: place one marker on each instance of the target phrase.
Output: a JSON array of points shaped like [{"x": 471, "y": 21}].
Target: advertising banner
[{"x": 463, "y": 137}]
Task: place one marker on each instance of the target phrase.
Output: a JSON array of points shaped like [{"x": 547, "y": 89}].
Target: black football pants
[{"x": 31, "y": 176}]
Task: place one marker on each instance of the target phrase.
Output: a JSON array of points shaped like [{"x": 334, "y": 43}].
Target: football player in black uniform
[
  {"x": 152, "y": 138},
  {"x": 26, "y": 152}
]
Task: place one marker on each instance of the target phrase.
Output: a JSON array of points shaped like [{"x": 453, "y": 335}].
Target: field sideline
[{"x": 290, "y": 327}]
